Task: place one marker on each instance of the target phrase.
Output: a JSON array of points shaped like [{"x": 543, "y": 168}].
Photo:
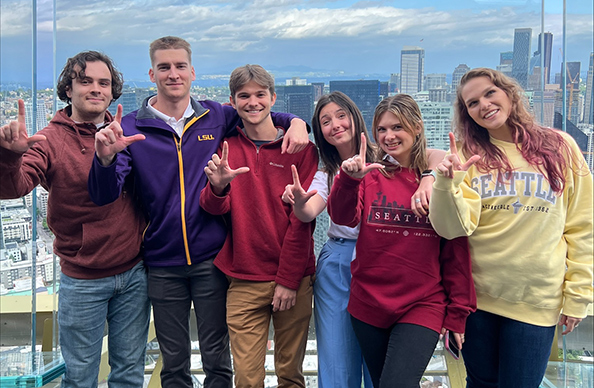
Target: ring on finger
[{"x": 417, "y": 200}]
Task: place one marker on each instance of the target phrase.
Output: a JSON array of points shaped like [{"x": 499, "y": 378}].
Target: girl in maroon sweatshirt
[{"x": 408, "y": 284}]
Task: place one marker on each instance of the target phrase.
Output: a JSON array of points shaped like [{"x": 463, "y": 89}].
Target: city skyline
[{"x": 340, "y": 37}]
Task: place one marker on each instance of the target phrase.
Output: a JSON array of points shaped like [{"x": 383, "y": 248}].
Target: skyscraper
[
  {"x": 547, "y": 48},
  {"x": 394, "y": 84},
  {"x": 521, "y": 59},
  {"x": 589, "y": 105},
  {"x": 435, "y": 81},
  {"x": 296, "y": 99},
  {"x": 412, "y": 68},
  {"x": 459, "y": 71},
  {"x": 41, "y": 116},
  {"x": 365, "y": 94}
]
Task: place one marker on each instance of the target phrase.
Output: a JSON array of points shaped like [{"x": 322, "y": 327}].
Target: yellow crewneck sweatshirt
[{"x": 532, "y": 250}]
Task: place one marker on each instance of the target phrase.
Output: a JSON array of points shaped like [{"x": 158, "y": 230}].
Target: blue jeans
[
  {"x": 502, "y": 352},
  {"x": 84, "y": 306},
  {"x": 340, "y": 361}
]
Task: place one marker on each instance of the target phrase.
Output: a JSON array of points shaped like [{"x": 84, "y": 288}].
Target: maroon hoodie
[{"x": 92, "y": 242}]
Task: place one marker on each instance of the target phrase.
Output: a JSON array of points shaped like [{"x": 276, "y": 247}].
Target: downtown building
[
  {"x": 521, "y": 55},
  {"x": 295, "y": 99},
  {"x": 364, "y": 93},
  {"x": 412, "y": 68}
]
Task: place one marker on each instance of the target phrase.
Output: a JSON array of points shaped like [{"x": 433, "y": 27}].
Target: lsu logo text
[{"x": 205, "y": 137}]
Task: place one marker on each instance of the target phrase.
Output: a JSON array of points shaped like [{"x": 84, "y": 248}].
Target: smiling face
[
  {"x": 173, "y": 74},
  {"x": 488, "y": 105},
  {"x": 337, "y": 127},
  {"x": 394, "y": 139},
  {"x": 91, "y": 94},
  {"x": 253, "y": 103}
]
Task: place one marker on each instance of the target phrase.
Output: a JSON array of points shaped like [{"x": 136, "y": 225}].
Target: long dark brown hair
[{"x": 330, "y": 157}]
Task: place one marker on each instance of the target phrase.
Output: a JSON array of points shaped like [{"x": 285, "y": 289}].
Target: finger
[
  {"x": 284, "y": 144},
  {"x": 134, "y": 138},
  {"x": 373, "y": 166},
  {"x": 240, "y": 170},
  {"x": 215, "y": 159},
  {"x": 363, "y": 148},
  {"x": 453, "y": 148},
  {"x": 21, "y": 114},
  {"x": 309, "y": 194},
  {"x": 295, "y": 174},
  {"x": 35, "y": 138},
  {"x": 225, "y": 153},
  {"x": 470, "y": 162},
  {"x": 118, "y": 116}
]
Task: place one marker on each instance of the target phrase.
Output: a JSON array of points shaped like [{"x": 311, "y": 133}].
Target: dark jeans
[
  {"x": 172, "y": 291},
  {"x": 397, "y": 356},
  {"x": 502, "y": 352}
]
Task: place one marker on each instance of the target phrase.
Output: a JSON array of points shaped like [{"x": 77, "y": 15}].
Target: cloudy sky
[{"x": 338, "y": 36}]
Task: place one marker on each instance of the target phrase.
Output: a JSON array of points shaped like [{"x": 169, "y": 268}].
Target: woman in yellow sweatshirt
[{"x": 523, "y": 195}]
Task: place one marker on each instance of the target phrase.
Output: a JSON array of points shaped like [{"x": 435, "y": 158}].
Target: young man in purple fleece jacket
[{"x": 165, "y": 146}]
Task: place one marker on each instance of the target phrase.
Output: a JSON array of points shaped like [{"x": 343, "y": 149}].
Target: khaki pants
[{"x": 249, "y": 311}]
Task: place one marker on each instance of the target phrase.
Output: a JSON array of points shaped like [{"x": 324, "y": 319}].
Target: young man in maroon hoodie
[
  {"x": 268, "y": 254},
  {"x": 103, "y": 276}
]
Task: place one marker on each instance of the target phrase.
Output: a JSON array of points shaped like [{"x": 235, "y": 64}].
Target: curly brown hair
[{"x": 69, "y": 73}]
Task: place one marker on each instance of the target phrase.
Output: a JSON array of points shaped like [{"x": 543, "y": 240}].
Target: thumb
[
  {"x": 310, "y": 194},
  {"x": 470, "y": 162},
  {"x": 241, "y": 170},
  {"x": 374, "y": 166},
  {"x": 133, "y": 139},
  {"x": 284, "y": 144},
  {"x": 34, "y": 139}
]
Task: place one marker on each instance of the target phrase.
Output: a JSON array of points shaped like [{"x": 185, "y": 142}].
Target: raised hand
[
  {"x": 452, "y": 161},
  {"x": 219, "y": 173},
  {"x": 295, "y": 194},
  {"x": 13, "y": 136},
  {"x": 355, "y": 166},
  {"x": 111, "y": 140}
]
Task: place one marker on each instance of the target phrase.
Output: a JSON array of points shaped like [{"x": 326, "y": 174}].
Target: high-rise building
[
  {"x": 364, "y": 93},
  {"x": 438, "y": 95},
  {"x": 412, "y": 68},
  {"x": 435, "y": 81},
  {"x": 394, "y": 84},
  {"x": 506, "y": 58},
  {"x": 543, "y": 105},
  {"x": 128, "y": 100},
  {"x": 521, "y": 59},
  {"x": 318, "y": 88},
  {"x": 437, "y": 120},
  {"x": 589, "y": 104},
  {"x": 41, "y": 116},
  {"x": 547, "y": 47},
  {"x": 459, "y": 71},
  {"x": 384, "y": 89},
  {"x": 296, "y": 99}
]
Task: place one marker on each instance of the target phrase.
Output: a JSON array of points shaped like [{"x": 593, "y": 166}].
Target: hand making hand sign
[
  {"x": 452, "y": 161},
  {"x": 356, "y": 166},
  {"x": 295, "y": 194},
  {"x": 111, "y": 140},
  {"x": 13, "y": 136},
  {"x": 219, "y": 173}
]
